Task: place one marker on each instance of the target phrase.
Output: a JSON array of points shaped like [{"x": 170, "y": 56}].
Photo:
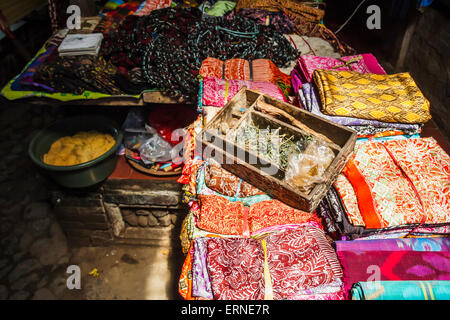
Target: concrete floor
[{"x": 126, "y": 273}]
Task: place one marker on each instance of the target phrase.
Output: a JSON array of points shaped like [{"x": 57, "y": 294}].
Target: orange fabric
[
  {"x": 364, "y": 196},
  {"x": 185, "y": 282},
  {"x": 424, "y": 216},
  {"x": 222, "y": 216}
]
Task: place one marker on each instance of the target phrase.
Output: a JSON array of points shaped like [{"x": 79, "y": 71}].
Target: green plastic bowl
[{"x": 84, "y": 174}]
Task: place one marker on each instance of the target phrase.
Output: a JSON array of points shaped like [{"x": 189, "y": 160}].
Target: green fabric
[
  {"x": 10, "y": 94},
  {"x": 220, "y": 8},
  {"x": 401, "y": 290}
]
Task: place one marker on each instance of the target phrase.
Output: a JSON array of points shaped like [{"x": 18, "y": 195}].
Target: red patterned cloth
[
  {"x": 222, "y": 216},
  {"x": 235, "y": 268},
  {"x": 301, "y": 261}
]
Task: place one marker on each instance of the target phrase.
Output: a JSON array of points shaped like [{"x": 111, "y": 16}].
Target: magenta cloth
[
  {"x": 307, "y": 64},
  {"x": 362, "y": 266},
  {"x": 215, "y": 93},
  {"x": 402, "y": 244}
]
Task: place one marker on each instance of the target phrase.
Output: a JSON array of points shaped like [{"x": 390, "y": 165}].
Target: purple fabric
[
  {"x": 406, "y": 244},
  {"x": 308, "y": 99},
  {"x": 25, "y": 80},
  {"x": 201, "y": 285}
]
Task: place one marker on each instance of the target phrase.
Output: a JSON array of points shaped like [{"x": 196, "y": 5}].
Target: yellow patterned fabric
[{"x": 388, "y": 98}]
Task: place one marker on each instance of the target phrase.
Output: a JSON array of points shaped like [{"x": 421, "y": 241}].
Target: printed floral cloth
[
  {"x": 389, "y": 98},
  {"x": 397, "y": 182},
  {"x": 221, "y": 216},
  {"x": 301, "y": 261},
  {"x": 306, "y": 64},
  {"x": 338, "y": 225},
  {"x": 217, "y": 92}
]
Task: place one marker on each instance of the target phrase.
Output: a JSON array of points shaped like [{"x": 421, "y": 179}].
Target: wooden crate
[{"x": 255, "y": 170}]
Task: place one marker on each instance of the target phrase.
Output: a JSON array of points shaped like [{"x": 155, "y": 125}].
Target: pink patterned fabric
[
  {"x": 217, "y": 92},
  {"x": 151, "y": 5},
  {"x": 306, "y": 65}
]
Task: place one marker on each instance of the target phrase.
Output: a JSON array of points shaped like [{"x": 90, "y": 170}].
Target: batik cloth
[
  {"x": 217, "y": 92},
  {"x": 235, "y": 268},
  {"x": 302, "y": 262},
  {"x": 401, "y": 290},
  {"x": 339, "y": 226},
  {"x": 221, "y": 216},
  {"x": 393, "y": 265},
  {"x": 363, "y": 63},
  {"x": 308, "y": 99},
  {"x": 258, "y": 70},
  {"x": 389, "y": 98},
  {"x": 397, "y": 182}
]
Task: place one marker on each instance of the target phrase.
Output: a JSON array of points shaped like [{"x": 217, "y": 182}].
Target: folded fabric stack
[
  {"x": 355, "y": 91},
  {"x": 273, "y": 251},
  {"x": 402, "y": 265},
  {"x": 285, "y": 264},
  {"x": 389, "y": 189}
]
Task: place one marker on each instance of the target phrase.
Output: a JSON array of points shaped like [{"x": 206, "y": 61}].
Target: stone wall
[
  {"x": 141, "y": 212},
  {"x": 428, "y": 61}
]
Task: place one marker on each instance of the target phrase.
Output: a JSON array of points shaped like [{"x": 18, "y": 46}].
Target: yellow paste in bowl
[{"x": 82, "y": 147}]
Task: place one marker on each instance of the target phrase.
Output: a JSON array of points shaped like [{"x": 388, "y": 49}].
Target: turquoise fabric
[{"x": 401, "y": 290}]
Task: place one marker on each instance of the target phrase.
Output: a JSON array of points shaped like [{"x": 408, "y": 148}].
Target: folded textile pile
[
  {"x": 355, "y": 91},
  {"x": 402, "y": 290},
  {"x": 391, "y": 188},
  {"x": 309, "y": 100},
  {"x": 418, "y": 259},
  {"x": 390, "y": 98},
  {"x": 290, "y": 264}
]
